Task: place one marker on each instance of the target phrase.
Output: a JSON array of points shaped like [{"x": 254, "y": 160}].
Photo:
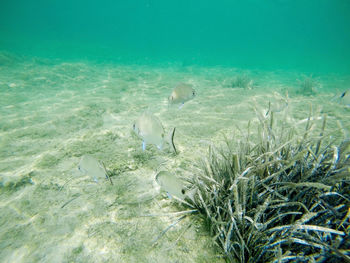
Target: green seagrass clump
[
  {"x": 242, "y": 81},
  {"x": 281, "y": 195},
  {"x": 308, "y": 86}
]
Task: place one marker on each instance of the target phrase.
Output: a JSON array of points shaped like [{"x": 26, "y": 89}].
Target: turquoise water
[
  {"x": 310, "y": 35},
  {"x": 74, "y": 77}
]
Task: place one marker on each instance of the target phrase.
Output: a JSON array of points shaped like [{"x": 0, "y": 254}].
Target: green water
[
  {"x": 276, "y": 34},
  {"x": 74, "y": 76}
]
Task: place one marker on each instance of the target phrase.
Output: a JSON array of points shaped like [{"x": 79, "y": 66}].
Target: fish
[
  {"x": 172, "y": 185},
  {"x": 181, "y": 93},
  {"x": 150, "y": 129},
  {"x": 88, "y": 165},
  {"x": 277, "y": 106}
]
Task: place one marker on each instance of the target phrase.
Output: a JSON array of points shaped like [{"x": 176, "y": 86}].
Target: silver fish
[
  {"x": 149, "y": 128},
  {"x": 88, "y": 165},
  {"x": 277, "y": 106},
  {"x": 181, "y": 93},
  {"x": 171, "y": 184}
]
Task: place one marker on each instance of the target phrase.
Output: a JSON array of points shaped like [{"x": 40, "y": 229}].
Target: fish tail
[
  {"x": 172, "y": 140},
  {"x": 169, "y": 139}
]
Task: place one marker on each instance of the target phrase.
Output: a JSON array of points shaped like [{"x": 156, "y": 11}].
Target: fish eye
[
  {"x": 183, "y": 191},
  {"x": 133, "y": 126},
  {"x": 193, "y": 93}
]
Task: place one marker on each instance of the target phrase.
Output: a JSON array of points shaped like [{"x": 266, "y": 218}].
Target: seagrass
[{"x": 279, "y": 195}]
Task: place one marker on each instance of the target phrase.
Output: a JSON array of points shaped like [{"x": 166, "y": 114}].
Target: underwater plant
[
  {"x": 242, "y": 81},
  {"x": 308, "y": 86},
  {"x": 7, "y": 59},
  {"x": 282, "y": 195}
]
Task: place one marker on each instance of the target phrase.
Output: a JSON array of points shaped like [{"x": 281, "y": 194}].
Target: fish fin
[
  {"x": 95, "y": 180},
  {"x": 169, "y": 195},
  {"x": 143, "y": 145},
  {"x": 104, "y": 168},
  {"x": 181, "y": 105},
  {"x": 170, "y": 139}
]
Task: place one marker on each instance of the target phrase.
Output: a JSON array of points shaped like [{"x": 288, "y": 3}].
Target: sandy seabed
[{"x": 54, "y": 112}]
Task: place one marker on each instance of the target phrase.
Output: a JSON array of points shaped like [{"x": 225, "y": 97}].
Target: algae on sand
[
  {"x": 308, "y": 86},
  {"x": 240, "y": 81}
]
